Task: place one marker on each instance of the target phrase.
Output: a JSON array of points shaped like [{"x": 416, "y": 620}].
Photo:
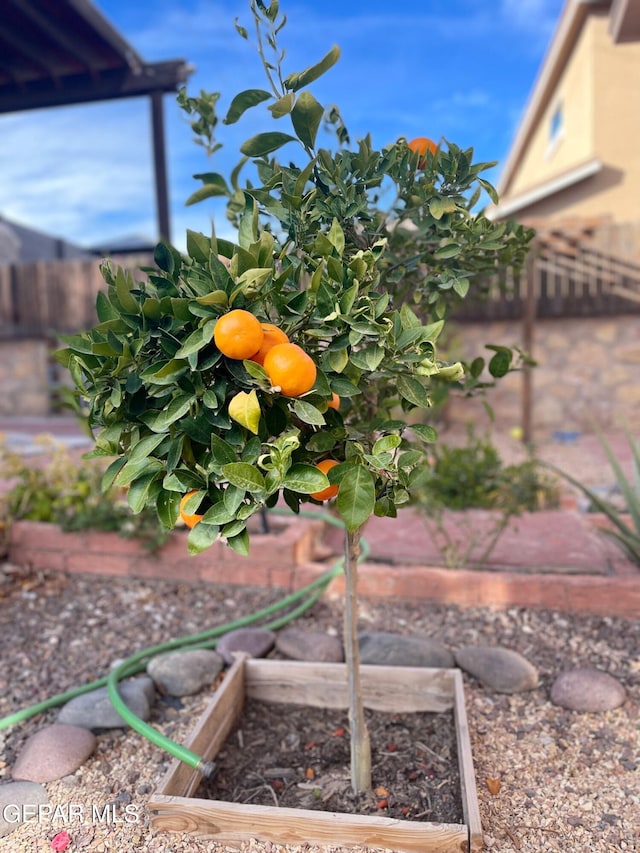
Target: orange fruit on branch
[
  {"x": 272, "y": 336},
  {"x": 334, "y": 403},
  {"x": 238, "y": 334},
  {"x": 291, "y": 369},
  {"x": 421, "y": 144},
  {"x": 332, "y": 490},
  {"x": 190, "y": 519}
]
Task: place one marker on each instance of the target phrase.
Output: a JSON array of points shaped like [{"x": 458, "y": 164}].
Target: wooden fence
[
  {"x": 569, "y": 274},
  {"x": 46, "y": 298}
]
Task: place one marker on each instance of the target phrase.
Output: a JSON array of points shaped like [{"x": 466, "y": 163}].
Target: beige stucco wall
[
  {"x": 542, "y": 160},
  {"x": 600, "y": 91},
  {"x": 586, "y": 368}
]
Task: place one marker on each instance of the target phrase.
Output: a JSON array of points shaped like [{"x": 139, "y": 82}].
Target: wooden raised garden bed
[{"x": 175, "y": 806}]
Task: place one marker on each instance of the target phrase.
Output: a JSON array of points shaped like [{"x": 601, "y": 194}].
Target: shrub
[{"x": 69, "y": 493}]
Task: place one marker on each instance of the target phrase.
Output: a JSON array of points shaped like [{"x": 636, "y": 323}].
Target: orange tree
[{"x": 284, "y": 363}]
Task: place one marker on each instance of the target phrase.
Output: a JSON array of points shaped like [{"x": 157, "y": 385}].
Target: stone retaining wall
[{"x": 587, "y": 368}]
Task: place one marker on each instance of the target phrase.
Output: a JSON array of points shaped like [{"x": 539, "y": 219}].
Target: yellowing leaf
[{"x": 245, "y": 410}]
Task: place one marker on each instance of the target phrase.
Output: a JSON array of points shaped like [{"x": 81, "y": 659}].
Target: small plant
[
  {"x": 626, "y": 536},
  {"x": 473, "y": 477},
  {"x": 69, "y": 494}
]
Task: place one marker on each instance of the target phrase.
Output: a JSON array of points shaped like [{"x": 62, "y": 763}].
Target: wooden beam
[{"x": 160, "y": 165}]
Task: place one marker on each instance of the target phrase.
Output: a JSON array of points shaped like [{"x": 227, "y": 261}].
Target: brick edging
[{"x": 288, "y": 559}]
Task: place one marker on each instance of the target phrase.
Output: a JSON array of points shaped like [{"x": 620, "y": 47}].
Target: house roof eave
[
  {"x": 545, "y": 190},
  {"x": 564, "y": 38}
]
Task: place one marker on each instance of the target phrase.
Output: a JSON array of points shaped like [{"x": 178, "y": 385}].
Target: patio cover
[{"x": 62, "y": 52}]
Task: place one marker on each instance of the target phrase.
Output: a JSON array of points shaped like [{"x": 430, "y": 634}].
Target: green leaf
[
  {"x": 244, "y": 476},
  {"x": 265, "y": 143},
  {"x": 356, "y": 497},
  {"x": 282, "y": 106},
  {"x": 413, "y": 391},
  {"x": 439, "y": 206},
  {"x": 222, "y": 451},
  {"x": 145, "y": 447},
  {"x": 207, "y": 191},
  {"x": 138, "y": 493},
  {"x": 386, "y": 443},
  {"x": 306, "y": 117},
  {"x": 168, "y": 508},
  {"x": 201, "y": 537},
  {"x": 425, "y": 432},
  {"x": 308, "y": 413},
  {"x": 449, "y": 250},
  {"x": 305, "y": 479},
  {"x": 295, "y": 82},
  {"x": 461, "y": 287},
  {"x": 136, "y": 468},
  {"x": 219, "y": 514},
  {"x": 240, "y": 543},
  {"x": 110, "y": 474},
  {"x": 500, "y": 363},
  {"x": 161, "y": 421},
  {"x": 195, "y": 342},
  {"x": 245, "y": 409},
  {"x": 338, "y": 359},
  {"x": 198, "y": 246},
  {"x": 490, "y": 189},
  {"x": 163, "y": 256},
  {"x": 244, "y": 101}
]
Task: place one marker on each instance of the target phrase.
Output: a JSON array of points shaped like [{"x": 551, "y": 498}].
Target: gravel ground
[{"x": 568, "y": 782}]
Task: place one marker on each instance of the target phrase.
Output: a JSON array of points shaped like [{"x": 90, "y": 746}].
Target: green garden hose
[{"x": 304, "y": 598}]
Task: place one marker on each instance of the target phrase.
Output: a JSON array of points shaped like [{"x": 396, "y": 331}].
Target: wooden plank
[
  {"x": 384, "y": 688},
  {"x": 217, "y": 720},
  {"x": 470, "y": 809},
  {"x": 239, "y": 822},
  {"x": 172, "y": 807}
]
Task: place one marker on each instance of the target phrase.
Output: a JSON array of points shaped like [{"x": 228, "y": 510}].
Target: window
[{"x": 556, "y": 125}]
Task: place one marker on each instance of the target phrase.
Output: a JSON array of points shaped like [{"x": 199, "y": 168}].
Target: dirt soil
[
  {"x": 566, "y": 782},
  {"x": 298, "y": 757}
]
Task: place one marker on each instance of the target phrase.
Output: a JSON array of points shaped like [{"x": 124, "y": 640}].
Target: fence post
[{"x": 528, "y": 328}]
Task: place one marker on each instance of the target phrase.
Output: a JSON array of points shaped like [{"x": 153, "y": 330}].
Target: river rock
[
  {"x": 309, "y": 645},
  {"x": 53, "y": 752},
  {"x": 388, "y": 649},
  {"x": 19, "y": 801},
  {"x": 587, "y": 690},
  {"x": 499, "y": 669},
  {"x": 256, "y": 642},
  {"x": 184, "y": 673},
  {"x": 94, "y": 710}
]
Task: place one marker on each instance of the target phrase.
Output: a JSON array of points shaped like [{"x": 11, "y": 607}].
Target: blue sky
[{"x": 455, "y": 69}]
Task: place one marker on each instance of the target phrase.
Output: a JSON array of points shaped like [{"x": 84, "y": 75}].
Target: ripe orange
[
  {"x": 189, "y": 519},
  {"x": 422, "y": 144},
  {"x": 334, "y": 403},
  {"x": 272, "y": 336},
  {"x": 238, "y": 334},
  {"x": 291, "y": 369},
  {"x": 330, "y": 491}
]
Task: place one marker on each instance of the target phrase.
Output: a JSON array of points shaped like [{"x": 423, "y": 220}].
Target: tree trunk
[{"x": 360, "y": 745}]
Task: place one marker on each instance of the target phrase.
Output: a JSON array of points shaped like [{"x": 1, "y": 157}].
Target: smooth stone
[
  {"x": 499, "y": 669},
  {"x": 309, "y": 645},
  {"x": 94, "y": 710},
  {"x": 185, "y": 673},
  {"x": 587, "y": 690},
  {"x": 53, "y": 752},
  {"x": 15, "y": 799},
  {"x": 256, "y": 642},
  {"x": 388, "y": 649}
]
